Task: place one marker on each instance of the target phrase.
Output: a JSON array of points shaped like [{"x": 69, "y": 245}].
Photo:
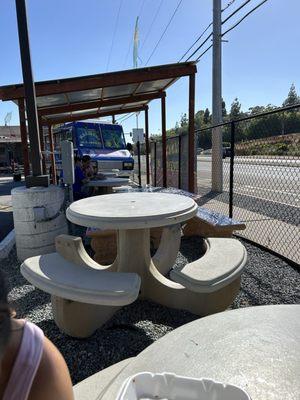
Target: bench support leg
[
  {"x": 171, "y": 294},
  {"x": 80, "y": 319}
]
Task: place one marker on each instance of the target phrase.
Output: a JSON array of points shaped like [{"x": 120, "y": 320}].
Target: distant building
[{"x": 10, "y": 146}]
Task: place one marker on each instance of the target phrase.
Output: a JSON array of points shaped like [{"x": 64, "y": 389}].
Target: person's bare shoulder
[{"x": 52, "y": 380}]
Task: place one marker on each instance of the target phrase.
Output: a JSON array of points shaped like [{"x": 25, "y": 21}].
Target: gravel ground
[{"x": 267, "y": 280}]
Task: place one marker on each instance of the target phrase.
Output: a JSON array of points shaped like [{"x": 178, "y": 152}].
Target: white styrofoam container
[{"x": 167, "y": 386}]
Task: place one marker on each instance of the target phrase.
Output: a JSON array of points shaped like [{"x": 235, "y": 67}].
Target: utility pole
[
  {"x": 217, "y": 141},
  {"x": 37, "y": 179}
]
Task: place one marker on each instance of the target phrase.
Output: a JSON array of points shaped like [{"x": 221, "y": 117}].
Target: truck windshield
[
  {"x": 89, "y": 137},
  {"x": 113, "y": 137}
]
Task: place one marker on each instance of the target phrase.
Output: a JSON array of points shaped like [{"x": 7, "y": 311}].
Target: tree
[
  {"x": 235, "y": 110},
  {"x": 292, "y": 97},
  {"x": 224, "y": 111},
  {"x": 206, "y": 116},
  {"x": 256, "y": 110},
  {"x": 183, "y": 120}
]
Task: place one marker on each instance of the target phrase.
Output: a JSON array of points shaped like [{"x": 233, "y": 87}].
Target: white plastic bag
[{"x": 167, "y": 386}]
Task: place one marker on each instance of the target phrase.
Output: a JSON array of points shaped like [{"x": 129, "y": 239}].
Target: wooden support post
[
  {"x": 23, "y": 131},
  {"x": 147, "y": 147},
  {"x": 52, "y": 157},
  {"x": 42, "y": 141},
  {"x": 191, "y": 159},
  {"x": 164, "y": 140}
]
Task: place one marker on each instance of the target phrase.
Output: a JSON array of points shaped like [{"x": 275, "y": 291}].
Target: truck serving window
[
  {"x": 113, "y": 137},
  {"x": 88, "y": 137}
]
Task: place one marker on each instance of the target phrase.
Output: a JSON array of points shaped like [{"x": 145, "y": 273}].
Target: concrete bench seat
[
  {"x": 208, "y": 223},
  {"x": 55, "y": 275},
  {"x": 222, "y": 263},
  {"x": 83, "y": 294}
]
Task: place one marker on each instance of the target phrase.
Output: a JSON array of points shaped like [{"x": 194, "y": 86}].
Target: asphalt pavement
[
  {"x": 275, "y": 183},
  {"x": 6, "y": 215}
]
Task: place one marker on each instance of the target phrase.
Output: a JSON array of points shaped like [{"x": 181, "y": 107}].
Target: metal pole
[
  {"x": 155, "y": 165},
  {"x": 179, "y": 162},
  {"x": 31, "y": 109},
  {"x": 217, "y": 142},
  {"x": 164, "y": 140},
  {"x": 113, "y": 119},
  {"x": 147, "y": 147},
  {"x": 23, "y": 131},
  {"x": 232, "y": 148},
  {"x": 52, "y": 157},
  {"x": 192, "y": 172},
  {"x": 42, "y": 141},
  {"x": 138, "y": 145}
]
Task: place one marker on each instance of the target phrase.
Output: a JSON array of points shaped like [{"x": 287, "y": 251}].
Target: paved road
[
  {"x": 255, "y": 178},
  {"x": 6, "y": 215},
  {"x": 276, "y": 183}
]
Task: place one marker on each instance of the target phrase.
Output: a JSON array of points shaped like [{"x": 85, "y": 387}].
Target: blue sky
[{"x": 74, "y": 37}]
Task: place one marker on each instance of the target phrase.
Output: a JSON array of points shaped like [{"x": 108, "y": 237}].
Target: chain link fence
[{"x": 261, "y": 177}]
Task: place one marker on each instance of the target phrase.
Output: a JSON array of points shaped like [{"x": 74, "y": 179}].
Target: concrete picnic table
[
  {"x": 85, "y": 293},
  {"x": 204, "y": 286},
  {"x": 132, "y": 215},
  {"x": 106, "y": 185},
  {"x": 256, "y": 348}
]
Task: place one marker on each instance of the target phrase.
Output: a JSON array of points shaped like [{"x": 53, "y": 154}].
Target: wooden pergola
[{"x": 101, "y": 95}]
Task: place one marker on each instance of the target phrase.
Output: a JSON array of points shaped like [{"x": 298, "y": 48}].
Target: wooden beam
[
  {"x": 52, "y": 157},
  {"x": 102, "y": 80},
  {"x": 24, "y": 141},
  {"x": 191, "y": 158},
  {"x": 147, "y": 147},
  {"x": 164, "y": 140},
  {"x": 99, "y": 103},
  {"x": 42, "y": 141},
  {"x": 97, "y": 114}
]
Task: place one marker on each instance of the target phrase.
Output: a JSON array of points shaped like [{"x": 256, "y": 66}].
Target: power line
[
  {"x": 230, "y": 16},
  {"x": 235, "y": 11},
  {"x": 141, "y": 8},
  {"x": 165, "y": 30},
  {"x": 127, "y": 54},
  {"x": 199, "y": 47},
  {"x": 245, "y": 16},
  {"x": 209, "y": 25},
  {"x": 152, "y": 23},
  {"x": 228, "y": 5},
  {"x": 122, "y": 119},
  {"x": 202, "y": 54},
  {"x": 114, "y": 34},
  {"x": 197, "y": 40}
]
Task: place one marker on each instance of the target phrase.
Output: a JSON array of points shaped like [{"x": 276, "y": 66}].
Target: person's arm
[
  {"x": 52, "y": 380},
  {"x": 81, "y": 177}
]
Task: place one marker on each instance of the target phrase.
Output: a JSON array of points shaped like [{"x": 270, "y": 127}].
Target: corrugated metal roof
[{"x": 99, "y": 95}]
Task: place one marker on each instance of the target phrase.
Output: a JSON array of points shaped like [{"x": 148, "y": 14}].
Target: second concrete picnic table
[{"x": 105, "y": 185}]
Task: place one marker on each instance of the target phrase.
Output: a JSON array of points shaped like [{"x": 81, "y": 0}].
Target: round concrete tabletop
[
  {"x": 256, "y": 348},
  {"x": 108, "y": 182},
  {"x": 132, "y": 210}
]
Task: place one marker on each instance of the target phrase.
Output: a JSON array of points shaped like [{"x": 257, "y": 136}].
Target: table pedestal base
[
  {"x": 80, "y": 319},
  {"x": 133, "y": 255}
]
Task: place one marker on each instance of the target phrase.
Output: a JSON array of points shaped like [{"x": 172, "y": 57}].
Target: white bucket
[{"x": 166, "y": 386}]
